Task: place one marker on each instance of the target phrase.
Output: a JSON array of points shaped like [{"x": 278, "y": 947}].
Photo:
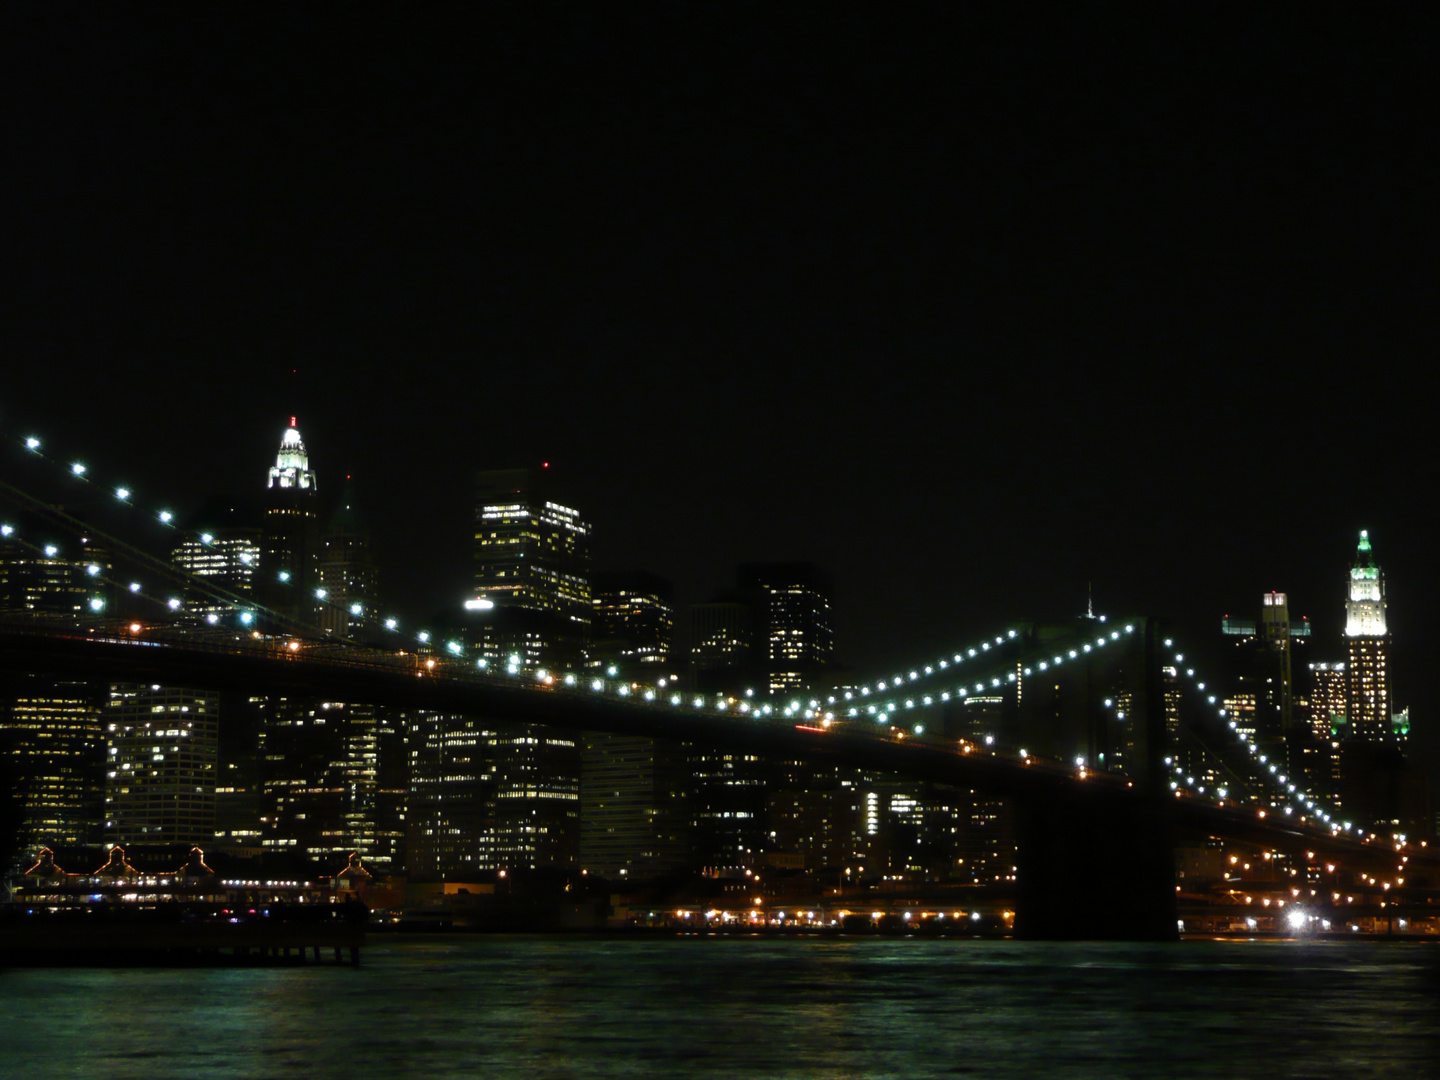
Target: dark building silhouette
[{"x": 347, "y": 572}]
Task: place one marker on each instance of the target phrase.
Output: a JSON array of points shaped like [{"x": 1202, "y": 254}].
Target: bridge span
[{"x": 1116, "y": 834}]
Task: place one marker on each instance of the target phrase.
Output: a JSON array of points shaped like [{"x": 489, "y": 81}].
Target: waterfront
[{"x": 499, "y": 1006}]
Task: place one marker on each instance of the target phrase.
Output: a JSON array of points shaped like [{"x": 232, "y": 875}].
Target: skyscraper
[
  {"x": 50, "y": 734},
  {"x": 227, "y": 558},
  {"x": 796, "y": 639},
  {"x": 532, "y": 553},
  {"x": 347, "y": 571},
  {"x": 289, "y": 541},
  {"x": 532, "y": 563},
  {"x": 162, "y": 744},
  {"x": 1367, "y": 670}
]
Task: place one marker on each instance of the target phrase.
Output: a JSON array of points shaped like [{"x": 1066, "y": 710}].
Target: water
[{"x": 566, "y": 1007}]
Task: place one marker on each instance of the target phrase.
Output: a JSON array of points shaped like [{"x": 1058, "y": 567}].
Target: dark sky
[{"x": 972, "y": 309}]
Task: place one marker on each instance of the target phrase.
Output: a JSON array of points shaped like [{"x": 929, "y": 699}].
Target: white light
[
  {"x": 482, "y": 663},
  {"x": 122, "y": 493},
  {"x": 284, "y": 575},
  {"x": 246, "y": 618},
  {"x": 134, "y": 586},
  {"x": 32, "y": 443},
  {"x": 424, "y": 636},
  {"x": 479, "y": 604},
  {"x": 207, "y": 538},
  {"x": 174, "y": 604},
  {"x": 51, "y": 551},
  {"x": 321, "y": 594},
  {"x": 7, "y": 530},
  {"x": 78, "y": 469},
  {"x": 212, "y": 618},
  {"x": 165, "y": 516},
  {"x": 390, "y": 624},
  {"x": 92, "y": 570},
  {"x": 454, "y": 647},
  {"x": 96, "y": 604},
  {"x": 356, "y": 609}
]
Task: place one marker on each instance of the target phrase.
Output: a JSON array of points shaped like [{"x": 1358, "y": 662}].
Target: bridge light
[
  {"x": 454, "y": 647},
  {"x": 135, "y": 586},
  {"x": 165, "y": 516},
  {"x": 1129, "y": 629},
  {"x": 32, "y": 443},
  {"x": 97, "y": 604},
  {"x": 623, "y": 690},
  {"x": 321, "y": 594},
  {"x": 913, "y": 676},
  {"x": 985, "y": 645},
  {"x": 570, "y": 679},
  {"x": 919, "y": 729},
  {"x": 284, "y": 575},
  {"x": 246, "y": 618},
  {"x": 212, "y": 618},
  {"x": 1010, "y": 633},
  {"x": 7, "y": 530},
  {"x": 945, "y": 695},
  {"x": 989, "y": 740},
  {"x": 174, "y": 604},
  {"x": 481, "y": 664},
  {"x": 122, "y": 493},
  {"x": 246, "y": 558},
  {"x": 356, "y": 609},
  {"x": 78, "y": 469},
  {"x": 207, "y": 538},
  {"x": 423, "y": 637},
  {"x": 51, "y": 551}
]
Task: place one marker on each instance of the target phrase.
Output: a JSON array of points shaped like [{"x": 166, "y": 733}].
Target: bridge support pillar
[{"x": 1101, "y": 869}]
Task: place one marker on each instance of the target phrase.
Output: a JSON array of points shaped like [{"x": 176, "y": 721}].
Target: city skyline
[{"x": 977, "y": 328}]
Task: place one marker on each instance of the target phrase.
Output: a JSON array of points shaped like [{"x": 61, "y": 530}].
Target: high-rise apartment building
[
  {"x": 160, "y": 778},
  {"x": 1367, "y": 670},
  {"x": 289, "y": 539}
]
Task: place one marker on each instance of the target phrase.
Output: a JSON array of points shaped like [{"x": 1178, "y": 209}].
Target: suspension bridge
[{"x": 1108, "y": 743}]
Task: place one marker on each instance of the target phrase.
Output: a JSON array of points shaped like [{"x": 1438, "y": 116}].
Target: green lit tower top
[{"x": 1367, "y": 675}]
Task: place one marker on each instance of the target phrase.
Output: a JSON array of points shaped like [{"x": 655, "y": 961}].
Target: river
[{"x": 493, "y": 1007}]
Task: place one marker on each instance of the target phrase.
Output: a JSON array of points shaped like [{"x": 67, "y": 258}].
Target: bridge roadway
[{"x": 1072, "y": 826}]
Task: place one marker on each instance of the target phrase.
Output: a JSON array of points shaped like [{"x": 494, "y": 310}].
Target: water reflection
[{"x": 612, "y": 1007}]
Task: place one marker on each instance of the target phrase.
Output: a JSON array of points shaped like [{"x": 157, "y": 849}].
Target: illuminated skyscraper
[
  {"x": 633, "y": 815},
  {"x": 162, "y": 746},
  {"x": 1367, "y": 671},
  {"x": 50, "y": 734},
  {"x": 227, "y": 558},
  {"x": 796, "y": 639},
  {"x": 532, "y": 553},
  {"x": 289, "y": 542}
]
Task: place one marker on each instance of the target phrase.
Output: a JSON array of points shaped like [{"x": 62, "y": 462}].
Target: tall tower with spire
[
  {"x": 289, "y": 542},
  {"x": 1367, "y": 672}
]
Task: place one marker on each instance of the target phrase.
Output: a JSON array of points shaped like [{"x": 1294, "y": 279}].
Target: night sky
[{"x": 971, "y": 309}]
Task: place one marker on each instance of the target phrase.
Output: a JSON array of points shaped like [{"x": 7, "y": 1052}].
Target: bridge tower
[{"x": 1100, "y": 864}]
